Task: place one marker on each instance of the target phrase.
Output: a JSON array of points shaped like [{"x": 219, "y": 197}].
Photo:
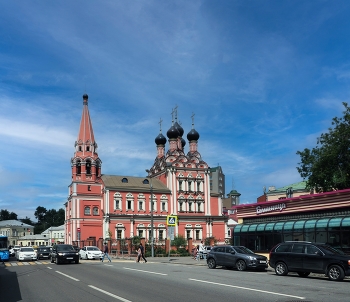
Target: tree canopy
[
  {"x": 46, "y": 218},
  {"x": 326, "y": 167}
]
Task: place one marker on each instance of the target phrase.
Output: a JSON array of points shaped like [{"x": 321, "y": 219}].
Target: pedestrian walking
[
  {"x": 105, "y": 253},
  {"x": 142, "y": 251}
]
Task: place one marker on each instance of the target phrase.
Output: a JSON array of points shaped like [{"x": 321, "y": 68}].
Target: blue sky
[{"x": 263, "y": 78}]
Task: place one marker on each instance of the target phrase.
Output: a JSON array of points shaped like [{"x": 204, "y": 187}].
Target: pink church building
[{"x": 117, "y": 208}]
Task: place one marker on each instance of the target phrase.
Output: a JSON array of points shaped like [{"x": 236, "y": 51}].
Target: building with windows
[
  {"x": 323, "y": 217},
  {"x": 217, "y": 181},
  {"x": 114, "y": 207},
  {"x": 15, "y": 229}
]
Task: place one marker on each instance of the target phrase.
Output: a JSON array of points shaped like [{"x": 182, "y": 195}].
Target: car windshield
[
  {"x": 243, "y": 250},
  {"x": 27, "y": 249},
  {"x": 43, "y": 249},
  {"x": 64, "y": 247},
  {"x": 92, "y": 248},
  {"x": 331, "y": 250}
]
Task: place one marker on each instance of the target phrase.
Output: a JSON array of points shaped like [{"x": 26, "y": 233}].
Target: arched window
[
  {"x": 88, "y": 166},
  {"x": 95, "y": 210},
  {"x": 78, "y": 167},
  {"x": 87, "y": 211},
  {"x": 125, "y": 180}
]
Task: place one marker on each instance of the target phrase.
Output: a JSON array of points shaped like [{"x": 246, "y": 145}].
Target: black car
[
  {"x": 64, "y": 253},
  {"x": 308, "y": 257},
  {"x": 235, "y": 256},
  {"x": 43, "y": 253}
]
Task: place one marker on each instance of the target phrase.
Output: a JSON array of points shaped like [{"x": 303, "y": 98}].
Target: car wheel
[
  {"x": 303, "y": 274},
  {"x": 281, "y": 269},
  {"x": 77, "y": 261},
  {"x": 211, "y": 263},
  {"x": 241, "y": 266},
  {"x": 57, "y": 261},
  {"x": 336, "y": 273}
]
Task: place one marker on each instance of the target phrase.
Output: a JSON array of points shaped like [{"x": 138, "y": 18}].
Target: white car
[
  {"x": 26, "y": 253},
  {"x": 90, "y": 252}
]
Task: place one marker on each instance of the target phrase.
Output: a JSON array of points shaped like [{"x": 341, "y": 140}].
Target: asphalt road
[{"x": 158, "y": 280}]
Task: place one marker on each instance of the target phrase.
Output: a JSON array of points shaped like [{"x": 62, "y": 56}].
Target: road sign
[
  {"x": 78, "y": 229},
  {"x": 171, "y": 220}
]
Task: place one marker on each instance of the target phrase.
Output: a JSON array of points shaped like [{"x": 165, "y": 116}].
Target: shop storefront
[{"x": 317, "y": 218}]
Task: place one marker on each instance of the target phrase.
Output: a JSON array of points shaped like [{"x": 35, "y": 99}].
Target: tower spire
[
  {"x": 86, "y": 166},
  {"x": 86, "y": 134}
]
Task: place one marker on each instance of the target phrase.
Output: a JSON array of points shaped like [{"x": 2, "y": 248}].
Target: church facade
[{"x": 113, "y": 207}]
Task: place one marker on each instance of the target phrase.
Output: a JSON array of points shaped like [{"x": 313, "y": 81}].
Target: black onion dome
[
  {"x": 183, "y": 142},
  {"x": 85, "y": 96},
  {"x": 193, "y": 135},
  {"x": 160, "y": 139},
  {"x": 172, "y": 132},
  {"x": 179, "y": 128}
]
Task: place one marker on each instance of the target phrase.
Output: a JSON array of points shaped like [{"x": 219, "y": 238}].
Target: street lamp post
[{"x": 151, "y": 189}]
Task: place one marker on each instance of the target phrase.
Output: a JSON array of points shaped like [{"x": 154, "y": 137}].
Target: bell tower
[{"x": 86, "y": 165}]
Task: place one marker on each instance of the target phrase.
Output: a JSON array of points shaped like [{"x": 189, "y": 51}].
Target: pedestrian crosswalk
[{"x": 18, "y": 263}]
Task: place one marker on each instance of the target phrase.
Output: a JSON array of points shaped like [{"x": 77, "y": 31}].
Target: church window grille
[
  {"x": 140, "y": 205},
  {"x": 95, "y": 210},
  {"x": 119, "y": 234},
  {"x": 117, "y": 204},
  {"x": 87, "y": 211}
]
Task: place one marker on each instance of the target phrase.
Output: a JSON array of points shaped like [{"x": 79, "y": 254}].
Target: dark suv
[
  {"x": 235, "y": 256},
  {"x": 64, "y": 253},
  {"x": 307, "y": 257}
]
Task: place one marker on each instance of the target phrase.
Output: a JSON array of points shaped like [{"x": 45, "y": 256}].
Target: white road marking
[
  {"x": 109, "y": 294},
  {"x": 49, "y": 267},
  {"x": 67, "y": 276},
  {"x": 246, "y": 288},
  {"x": 139, "y": 270}
]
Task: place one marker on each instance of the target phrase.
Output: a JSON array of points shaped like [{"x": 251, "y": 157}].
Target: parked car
[
  {"x": 43, "y": 253},
  {"x": 90, "y": 252},
  {"x": 13, "y": 250},
  {"x": 26, "y": 253},
  {"x": 236, "y": 256},
  {"x": 64, "y": 253},
  {"x": 308, "y": 257}
]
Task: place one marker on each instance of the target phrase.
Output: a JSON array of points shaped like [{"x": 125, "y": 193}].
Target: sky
[{"x": 263, "y": 78}]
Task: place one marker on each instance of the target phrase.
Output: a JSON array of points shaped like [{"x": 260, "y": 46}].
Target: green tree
[
  {"x": 27, "y": 220},
  {"x": 6, "y": 215},
  {"x": 178, "y": 241},
  {"x": 40, "y": 213},
  {"x": 326, "y": 167}
]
